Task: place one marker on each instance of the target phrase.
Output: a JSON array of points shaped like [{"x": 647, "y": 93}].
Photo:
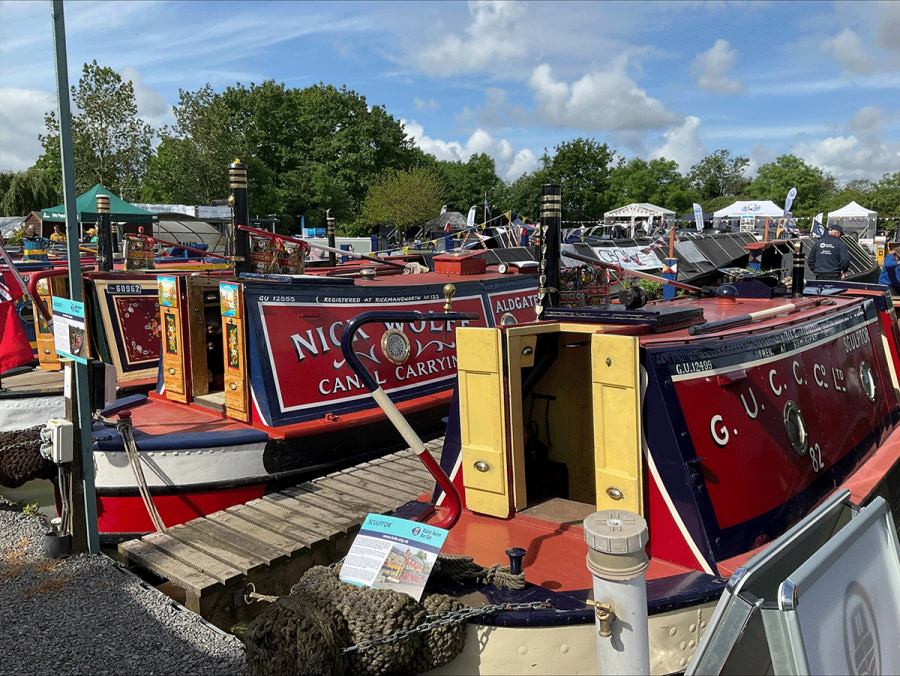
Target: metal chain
[{"x": 443, "y": 619}]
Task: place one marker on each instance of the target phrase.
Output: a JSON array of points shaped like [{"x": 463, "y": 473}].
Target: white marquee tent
[
  {"x": 854, "y": 218},
  {"x": 639, "y": 210},
  {"x": 756, "y": 208}
]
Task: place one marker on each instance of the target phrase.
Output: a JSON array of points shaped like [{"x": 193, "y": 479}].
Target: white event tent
[
  {"x": 854, "y": 219},
  {"x": 639, "y": 210},
  {"x": 752, "y": 214}
]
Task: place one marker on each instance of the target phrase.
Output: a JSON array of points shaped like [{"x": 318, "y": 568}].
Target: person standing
[
  {"x": 888, "y": 275},
  {"x": 829, "y": 257}
]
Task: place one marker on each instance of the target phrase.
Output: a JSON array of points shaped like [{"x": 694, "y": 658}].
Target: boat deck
[{"x": 270, "y": 542}]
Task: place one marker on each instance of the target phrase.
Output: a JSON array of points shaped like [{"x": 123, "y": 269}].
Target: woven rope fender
[
  {"x": 21, "y": 459},
  {"x": 304, "y": 633}
]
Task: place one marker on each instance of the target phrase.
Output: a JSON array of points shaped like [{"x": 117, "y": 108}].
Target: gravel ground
[{"x": 87, "y": 615}]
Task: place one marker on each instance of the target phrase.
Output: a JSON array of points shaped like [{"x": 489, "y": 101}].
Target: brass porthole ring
[
  {"x": 795, "y": 427},
  {"x": 395, "y": 346}
]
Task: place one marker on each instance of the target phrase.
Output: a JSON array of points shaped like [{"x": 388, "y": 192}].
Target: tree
[
  {"x": 524, "y": 194},
  {"x": 111, "y": 144},
  {"x": 719, "y": 175},
  {"x": 468, "y": 182},
  {"x": 582, "y": 168},
  {"x": 27, "y": 191},
  {"x": 191, "y": 163},
  {"x": 404, "y": 199},
  {"x": 657, "y": 182},
  {"x": 886, "y": 196},
  {"x": 774, "y": 180}
]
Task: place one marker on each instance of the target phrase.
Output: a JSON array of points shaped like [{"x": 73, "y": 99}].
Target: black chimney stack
[
  {"x": 104, "y": 235},
  {"x": 798, "y": 283},
  {"x": 240, "y": 215},
  {"x": 550, "y": 234}
]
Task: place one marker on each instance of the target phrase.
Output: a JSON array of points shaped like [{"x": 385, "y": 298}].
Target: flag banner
[
  {"x": 470, "y": 221},
  {"x": 14, "y": 347},
  {"x": 789, "y": 201},
  {"x": 443, "y": 210},
  {"x": 698, "y": 217},
  {"x": 817, "y": 228},
  {"x": 487, "y": 209}
]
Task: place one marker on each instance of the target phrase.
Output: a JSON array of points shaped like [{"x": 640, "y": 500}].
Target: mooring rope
[{"x": 134, "y": 459}]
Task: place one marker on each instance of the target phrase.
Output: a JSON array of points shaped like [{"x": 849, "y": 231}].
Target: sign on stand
[
  {"x": 392, "y": 553},
  {"x": 69, "y": 335}
]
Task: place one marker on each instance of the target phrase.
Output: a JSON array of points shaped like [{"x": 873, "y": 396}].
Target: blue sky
[{"x": 653, "y": 79}]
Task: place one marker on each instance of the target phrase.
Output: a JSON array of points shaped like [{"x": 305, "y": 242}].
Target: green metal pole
[{"x": 81, "y": 414}]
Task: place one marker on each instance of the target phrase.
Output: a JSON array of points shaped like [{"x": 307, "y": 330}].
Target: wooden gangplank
[{"x": 270, "y": 542}]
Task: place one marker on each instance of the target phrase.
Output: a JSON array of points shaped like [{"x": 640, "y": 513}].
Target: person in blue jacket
[
  {"x": 889, "y": 272},
  {"x": 829, "y": 257}
]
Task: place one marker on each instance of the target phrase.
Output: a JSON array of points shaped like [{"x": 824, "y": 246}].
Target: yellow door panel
[
  {"x": 482, "y": 412},
  {"x": 617, "y": 422}
]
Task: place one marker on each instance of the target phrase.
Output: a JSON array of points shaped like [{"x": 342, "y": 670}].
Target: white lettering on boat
[
  {"x": 777, "y": 389},
  {"x": 315, "y": 343},
  {"x": 838, "y": 377},
  {"x": 815, "y": 457},
  {"x": 720, "y": 435},
  {"x": 516, "y": 303},
  {"x": 818, "y": 370},
  {"x": 755, "y": 412},
  {"x": 346, "y": 383},
  {"x": 799, "y": 379},
  {"x": 856, "y": 340},
  {"x": 425, "y": 368},
  {"x": 693, "y": 367}
]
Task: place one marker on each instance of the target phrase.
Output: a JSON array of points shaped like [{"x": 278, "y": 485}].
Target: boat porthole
[
  {"x": 395, "y": 346},
  {"x": 868, "y": 382},
  {"x": 795, "y": 427},
  {"x": 507, "y": 319}
]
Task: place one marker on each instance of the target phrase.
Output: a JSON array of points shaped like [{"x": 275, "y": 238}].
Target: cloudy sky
[{"x": 652, "y": 79}]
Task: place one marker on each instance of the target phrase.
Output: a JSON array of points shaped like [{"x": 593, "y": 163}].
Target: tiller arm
[{"x": 394, "y": 415}]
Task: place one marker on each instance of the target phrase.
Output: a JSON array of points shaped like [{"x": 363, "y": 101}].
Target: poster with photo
[
  {"x": 392, "y": 553},
  {"x": 69, "y": 334}
]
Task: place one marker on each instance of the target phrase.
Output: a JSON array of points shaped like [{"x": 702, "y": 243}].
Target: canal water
[{"x": 39, "y": 492}]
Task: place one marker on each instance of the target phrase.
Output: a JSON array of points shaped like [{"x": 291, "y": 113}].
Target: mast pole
[{"x": 85, "y": 535}]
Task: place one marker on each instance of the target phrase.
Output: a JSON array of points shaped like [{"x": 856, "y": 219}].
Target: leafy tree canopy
[
  {"x": 467, "y": 183},
  {"x": 582, "y": 167},
  {"x": 657, "y": 182},
  {"x": 774, "y": 180},
  {"x": 719, "y": 175},
  {"x": 404, "y": 199},
  {"x": 25, "y": 191},
  {"x": 111, "y": 144}
]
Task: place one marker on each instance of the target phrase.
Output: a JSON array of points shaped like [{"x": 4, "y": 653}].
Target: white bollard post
[{"x": 618, "y": 562}]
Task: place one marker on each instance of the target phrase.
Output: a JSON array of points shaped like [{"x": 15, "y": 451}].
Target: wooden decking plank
[
  {"x": 269, "y": 538},
  {"x": 350, "y": 490},
  {"x": 400, "y": 478},
  {"x": 277, "y": 522},
  {"x": 193, "y": 557},
  {"x": 323, "y": 506},
  {"x": 198, "y": 534},
  {"x": 371, "y": 485},
  {"x": 414, "y": 466},
  {"x": 297, "y": 514},
  {"x": 159, "y": 562},
  {"x": 240, "y": 540}
]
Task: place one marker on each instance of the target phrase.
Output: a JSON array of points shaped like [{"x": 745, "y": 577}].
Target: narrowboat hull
[
  {"x": 721, "y": 440},
  {"x": 265, "y": 399}
]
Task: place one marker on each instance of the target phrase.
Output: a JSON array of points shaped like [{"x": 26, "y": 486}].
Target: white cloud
[
  {"x": 152, "y": 107},
  {"x": 608, "y": 100},
  {"x": 711, "y": 67},
  {"x": 429, "y": 105},
  {"x": 489, "y": 40},
  {"x": 683, "y": 144},
  {"x": 848, "y": 50},
  {"x": 887, "y": 31},
  {"x": 508, "y": 163},
  {"x": 21, "y": 120}
]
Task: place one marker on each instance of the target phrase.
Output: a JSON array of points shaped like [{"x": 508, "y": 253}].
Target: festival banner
[
  {"x": 789, "y": 200},
  {"x": 698, "y": 217}
]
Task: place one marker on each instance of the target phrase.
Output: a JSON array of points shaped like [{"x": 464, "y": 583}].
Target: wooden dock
[{"x": 272, "y": 541}]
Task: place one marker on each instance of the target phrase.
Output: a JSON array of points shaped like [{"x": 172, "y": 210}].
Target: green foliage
[
  {"x": 885, "y": 198},
  {"x": 582, "y": 167},
  {"x": 26, "y": 191},
  {"x": 719, "y": 175},
  {"x": 467, "y": 182},
  {"x": 657, "y": 182},
  {"x": 405, "y": 199},
  {"x": 524, "y": 195},
  {"x": 29, "y": 508},
  {"x": 111, "y": 144},
  {"x": 774, "y": 180},
  {"x": 191, "y": 163}
]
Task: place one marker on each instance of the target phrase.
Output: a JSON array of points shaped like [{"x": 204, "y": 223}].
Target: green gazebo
[{"x": 86, "y": 209}]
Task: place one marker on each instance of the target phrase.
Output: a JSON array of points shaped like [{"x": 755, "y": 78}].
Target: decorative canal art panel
[
  {"x": 129, "y": 310},
  {"x": 807, "y": 396},
  {"x": 303, "y": 373}
]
